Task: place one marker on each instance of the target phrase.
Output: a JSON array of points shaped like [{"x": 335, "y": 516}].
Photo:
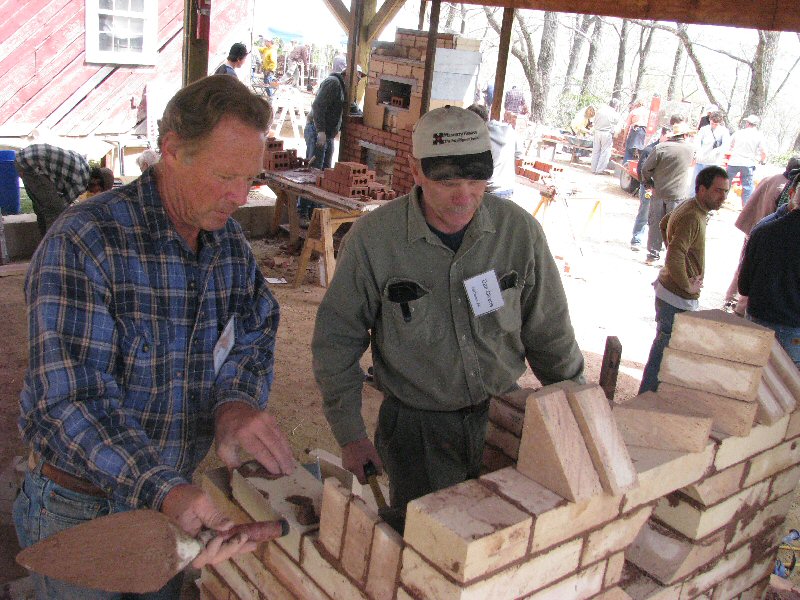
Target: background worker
[
  {"x": 236, "y": 57},
  {"x": 152, "y": 333},
  {"x": 636, "y": 126},
  {"x": 680, "y": 280},
  {"x": 606, "y": 124},
  {"x": 710, "y": 144},
  {"x": 53, "y": 177},
  {"x": 269, "y": 61},
  {"x": 404, "y": 284},
  {"x": 582, "y": 122}
]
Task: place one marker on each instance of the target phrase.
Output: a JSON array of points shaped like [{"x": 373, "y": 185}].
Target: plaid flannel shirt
[
  {"x": 123, "y": 322},
  {"x": 68, "y": 170}
]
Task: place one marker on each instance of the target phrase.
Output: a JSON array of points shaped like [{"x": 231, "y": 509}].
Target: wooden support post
[
  {"x": 351, "y": 80},
  {"x": 610, "y": 367},
  {"x": 502, "y": 62},
  {"x": 430, "y": 56},
  {"x": 195, "y": 50},
  {"x": 422, "y": 5}
]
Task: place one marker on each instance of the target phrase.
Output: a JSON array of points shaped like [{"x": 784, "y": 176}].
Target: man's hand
[
  {"x": 321, "y": 139},
  {"x": 695, "y": 284},
  {"x": 239, "y": 426},
  {"x": 356, "y": 454}
]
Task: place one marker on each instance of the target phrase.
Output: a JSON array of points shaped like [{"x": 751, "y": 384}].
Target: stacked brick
[
  {"x": 398, "y": 144},
  {"x": 278, "y": 159},
  {"x": 354, "y": 180}
]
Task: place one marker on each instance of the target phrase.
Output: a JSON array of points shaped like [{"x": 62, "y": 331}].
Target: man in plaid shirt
[
  {"x": 53, "y": 179},
  {"x": 152, "y": 331}
]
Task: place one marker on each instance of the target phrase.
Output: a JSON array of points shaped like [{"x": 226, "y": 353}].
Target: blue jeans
[
  {"x": 43, "y": 508},
  {"x": 789, "y": 337},
  {"x": 640, "y": 222},
  {"x": 665, "y": 315},
  {"x": 323, "y": 158},
  {"x": 747, "y": 179},
  {"x": 635, "y": 141}
]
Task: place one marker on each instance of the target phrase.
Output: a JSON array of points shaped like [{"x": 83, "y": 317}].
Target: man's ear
[
  {"x": 416, "y": 169},
  {"x": 170, "y": 144}
]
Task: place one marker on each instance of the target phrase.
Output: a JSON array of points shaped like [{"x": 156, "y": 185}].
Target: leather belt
[{"x": 67, "y": 480}]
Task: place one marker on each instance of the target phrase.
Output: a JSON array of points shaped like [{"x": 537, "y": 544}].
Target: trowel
[{"x": 136, "y": 552}]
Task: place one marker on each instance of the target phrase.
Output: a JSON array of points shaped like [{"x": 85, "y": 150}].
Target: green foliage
[
  {"x": 25, "y": 204},
  {"x": 782, "y": 158},
  {"x": 569, "y": 104}
]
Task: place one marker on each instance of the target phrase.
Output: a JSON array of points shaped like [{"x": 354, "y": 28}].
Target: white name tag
[
  {"x": 224, "y": 344},
  {"x": 484, "y": 293}
]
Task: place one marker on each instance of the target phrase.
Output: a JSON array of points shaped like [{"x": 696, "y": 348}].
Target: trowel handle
[{"x": 371, "y": 473}]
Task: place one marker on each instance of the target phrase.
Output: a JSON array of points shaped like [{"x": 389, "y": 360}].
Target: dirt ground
[{"x": 608, "y": 288}]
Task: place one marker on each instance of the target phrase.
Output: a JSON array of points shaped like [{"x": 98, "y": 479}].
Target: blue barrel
[{"x": 9, "y": 183}]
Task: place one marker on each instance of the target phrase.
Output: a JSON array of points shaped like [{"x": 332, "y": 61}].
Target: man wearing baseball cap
[
  {"x": 747, "y": 149},
  {"x": 454, "y": 289}
]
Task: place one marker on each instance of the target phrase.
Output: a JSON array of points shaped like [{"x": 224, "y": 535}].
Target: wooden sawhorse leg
[
  {"x": 324, "y": 223},
  {"x": 543, "y": 204},
  {"x": 285, "y": 201}
]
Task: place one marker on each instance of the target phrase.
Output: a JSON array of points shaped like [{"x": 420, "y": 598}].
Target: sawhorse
[{"x": 319, "y": 238}]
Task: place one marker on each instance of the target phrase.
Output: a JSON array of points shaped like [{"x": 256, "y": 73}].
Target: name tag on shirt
[
  {"x": 224, "y": 344},
  {"x": 484, "y": 293}
]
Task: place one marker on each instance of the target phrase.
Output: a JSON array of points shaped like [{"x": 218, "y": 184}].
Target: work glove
[{"x": 321, "y": 139}]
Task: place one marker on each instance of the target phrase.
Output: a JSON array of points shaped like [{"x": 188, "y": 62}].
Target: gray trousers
[
  {"x": 47, "y": 202},
  {"x": 658, "y": 208}
]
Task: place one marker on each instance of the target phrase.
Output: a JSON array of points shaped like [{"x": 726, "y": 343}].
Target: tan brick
[
  {"x": 735, "y": 449},
  {"x": 503, "y": 439},
  {"x": 614, "y": 593},
  {"x": 668, "y": 557},
  {"x": 698, "y": 372},
  {"x": 384, "y": 562},
  {"x": 332, "y": 521},
  {"x": 361, "y": 520},
  {"x": 614, "y": 568},
  {"x": 786, "y": 368},
  {"x": 641, "y": 587},
  {"x": 779, "y": 388},
  {"x": 241, "y": 586},
  {"x": 664, "y": 471},
  {"x": 732, "y": 586},
  {"x": 773, "y": 461},
  {"x": 652, "y": 421},
  {"x": 766, "y": 519},
  {"x": 725, "y": 567},
  {"x": 769, "y": 409},
  {"x": 583, "y": 584},
  {"x": 506, "y": 416},
  {"x": 330, "y": 465},
  {"x": 722, "y": 335},
  {"x": 291, "y": 575},
  {"x": 695, "y": 523},
  {"x": 402, "y": 594},
  {"x": 555, "y": 519},
  {"x": 214, "y": 585},
  {"x": 255, "y": 571},
  {"x": 793, "y": 430},
  {"x": 729, "y": 416},
  {"x": 466, "y": 530},
  {"x": 216, "y": 483},
  {"x": 518, "y": 399},
  {"x": 757, "y": 591},
  {"x": 722, "y": 484},
  {"x": 603, "y": 440},
  {"x": 615, "y": 536},
  {"x": 785, "y": 482},
  {"x": 423, "y": 580},
  {"x": 494, "y": 459},
  {"x": 325, "y": 574},
  {"x": 553, "y": 452}
]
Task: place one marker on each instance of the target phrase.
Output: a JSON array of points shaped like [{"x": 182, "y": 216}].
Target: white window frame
[{"x": 149, "y": 52}]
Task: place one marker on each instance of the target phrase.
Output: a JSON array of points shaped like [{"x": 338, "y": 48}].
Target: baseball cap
[
  {"x": 680, "y": 128},
  {"x": 452, "y": 143},
  {"x": 712, "y": 108},
  {"x": 752, "y": 119},
  {"x": 238, "y": 51}
]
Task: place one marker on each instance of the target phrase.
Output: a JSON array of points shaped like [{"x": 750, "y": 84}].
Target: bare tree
[
  {"x": 676, "y": 68},
  {"x": 621, "y": 56},
  {"x": 645, "y": 43},
  {"x": 580, "y": 34},
  {"x": 547, "y": 53},
  {"x": 587, "y": 84}
]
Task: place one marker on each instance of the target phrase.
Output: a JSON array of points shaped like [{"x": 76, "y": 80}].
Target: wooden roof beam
[
  {"x": 340, "y": 13},
  {"x": 383, "y": 17}
]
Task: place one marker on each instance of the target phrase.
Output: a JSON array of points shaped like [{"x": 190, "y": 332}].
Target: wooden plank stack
[
  {"x": 648, "y": 500},
  {"x": 354, "y": 180}
]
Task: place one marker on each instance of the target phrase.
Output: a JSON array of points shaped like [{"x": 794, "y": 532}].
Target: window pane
[
  {"x": 107, "y": 4},
  {"x": 105, "y": 41},
  {"x": 137, "y": 44},
  {"x": 106, "y": 24},
  {"x": 136, "y": 27},
  {"x": 137, "y": 5},
  {"x": 120, "y": 4}
]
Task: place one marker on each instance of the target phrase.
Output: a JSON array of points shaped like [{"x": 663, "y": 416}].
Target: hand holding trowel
[{"x": 137, "y": 551}]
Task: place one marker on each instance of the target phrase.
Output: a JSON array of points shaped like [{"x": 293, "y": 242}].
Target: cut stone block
[
  {"x": 664, "y": 471},
  {"x": 583, "y": 584},
  {"x": 466, "y": 530},
  {"x": 424, "y": 581},
  {"x": 769, "y": 409},
  {"x": 614, "y": 568},
  {"x": 732, "y": 586},
  {"x": 785, "y": 482},
  {"x": 652, "y": 421},
  {"x": 729, "y": 416},
  {"x": 722, "y": 484},
  {"x": 361, "y": 521},
  {"x": 603, "y": 440},
  {"x": 335, "y": 584},
  {"x": 793, "y": 430},
  {"x": 384, "y": 562},
  {"x": 732, "y": 450},
  {"x": 779, "y": 389},
  {"x": 695, "y": 523},
  {"x": 726, "y": 566},
  {"x": 503, "y": 439},
  {"x": 507, "y": 416},
  {"x": 722, "y": 335},
  {"x": 668, "y": 557},
  {"x": 269, "y": 585},
  {"x": 786, "y": 368},
  {"x": 552, "y": 451},
  {"x": 554, "y": 518},
  {"x": 773, "y": 461},
  {"x": 291, "y": 575},
  {"x": 335, "y": 503},
  {"x": 715, "y": 375},
  {"x": 764, "y": 521},
  {"x": 615, "y": 536},
  {"x": 241, "y": 586}
]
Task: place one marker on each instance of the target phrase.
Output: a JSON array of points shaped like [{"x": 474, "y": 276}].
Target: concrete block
[
  {"x": 663, "y": 471},
  {"x": 553, "y": 452},
  {"x": 466, "y": 530},
  {"x": 732, "y": 586},
  {"x": 732, "y": 450},
  {"x": 773, "y": 461},
  {"x": 615, "y": 536},
  {"x": 583, "y": 584},
  {"x": 384, "y": 562},
  {"x": 715, "y": 375},
  {"x": 503, "y": 439},
  {"x": 762, "y": 523},
  {"x": 332, "y": 522},
  {"x": 614, "y": 568},
  {"x": 554, "y": 518},
  {"x": 779, "y": 388},
  {"x": 785, "y": 482},
  {"x": 697, "y": 523},
  {"x": 327, "y": 577},
  {"x": 361, "y": 520},
  {"x": 650, "y": 420},
  {"x": 722, "y": 335},
  {"x": 726, "y": 566},
  {"x": 424, "y": 581},
  {"x": 291, "y": 575},
  {"x": 603, "y": 440},
  {"x": 670, "y": 558},
  {"x": 785, "y": 368},
  {"x": 769, "y": 409},
  {"x": 722, "y": 484},
  {"x": 729, "y": 416}
]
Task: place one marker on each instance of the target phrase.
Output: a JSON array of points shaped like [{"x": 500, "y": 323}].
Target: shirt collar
[{"x": 418, "y": 227}]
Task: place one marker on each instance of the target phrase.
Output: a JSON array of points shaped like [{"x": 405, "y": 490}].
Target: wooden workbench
[{"x": 288, "y": 187}]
